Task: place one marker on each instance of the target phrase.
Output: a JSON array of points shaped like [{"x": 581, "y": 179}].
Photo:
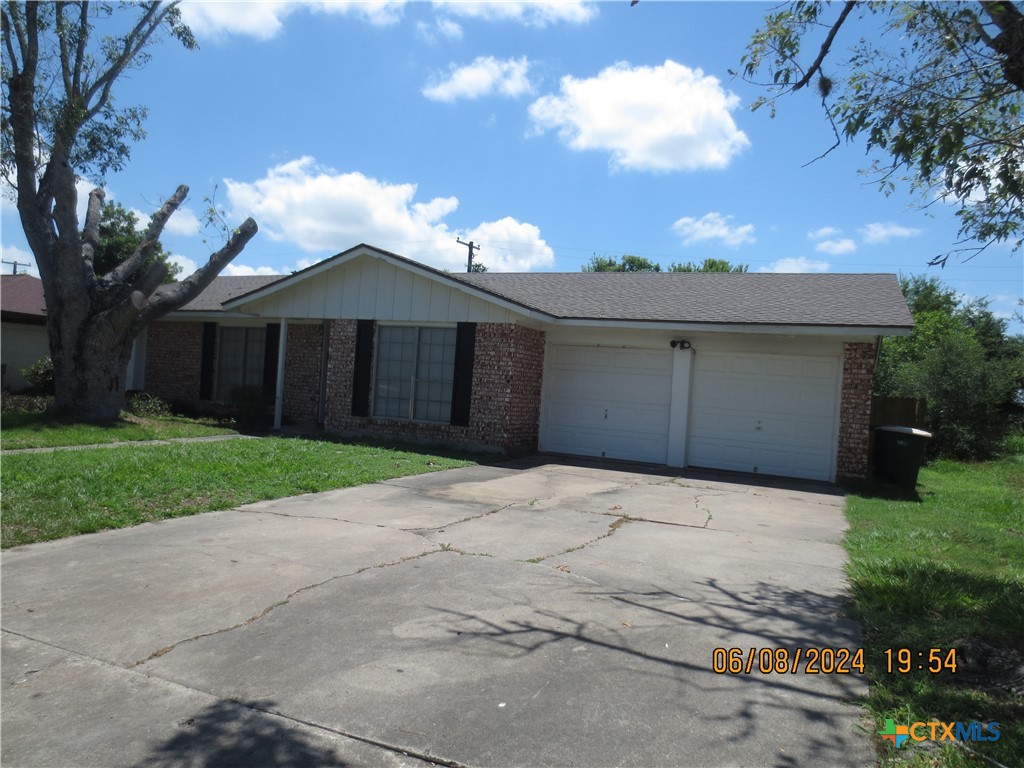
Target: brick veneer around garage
[
  {"x": 505, "y": 406},
  {"x": 855, "y": 410}
]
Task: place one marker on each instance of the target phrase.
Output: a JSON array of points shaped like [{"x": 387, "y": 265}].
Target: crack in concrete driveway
[{"x": 293, "y": 637}]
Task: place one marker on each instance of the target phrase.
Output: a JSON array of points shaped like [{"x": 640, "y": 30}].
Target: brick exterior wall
[
  {"x": 174, "y": 359},
  {"x": 508, "y": 367},
  {"x": 855, "y": 410},
  {"x": 303, "y": 355}
]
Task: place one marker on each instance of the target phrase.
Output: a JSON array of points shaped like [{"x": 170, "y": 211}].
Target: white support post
[
  {"x": 282, "y": 347},
  {"x": 679, "y": 409}
]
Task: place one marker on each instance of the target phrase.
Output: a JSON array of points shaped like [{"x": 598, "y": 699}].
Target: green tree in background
[
  {"x": 119, "y": 239},
  {"x": 961, "y": 361},
  {"x": 630, "y": 263},
  {"x": 627, "y": 263},
  {"x": 709, "y": 265}
]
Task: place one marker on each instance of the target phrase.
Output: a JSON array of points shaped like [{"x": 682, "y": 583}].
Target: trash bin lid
[{"x": 905, "y": 430}]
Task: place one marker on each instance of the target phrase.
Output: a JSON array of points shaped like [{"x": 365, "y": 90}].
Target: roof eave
[{"x": 762, "y": 328}]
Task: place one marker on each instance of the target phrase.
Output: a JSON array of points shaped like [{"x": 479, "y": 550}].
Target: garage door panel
[
  {"x": 771, "y": 414},
  {"x": 610, "y": 402},
  {"x": 637, "y": 419}
]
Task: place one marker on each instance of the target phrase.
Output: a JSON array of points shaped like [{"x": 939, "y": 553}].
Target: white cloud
[
  {"x": 882, "y": 232},
  {"x": 836, "y": 247},
  {"x": 263, "y": 20},
  {"x": 23, "y": 257},
  {"x": 183, "y": 222},
  {"x": 441, "y": 28},
  {"x": 796, "y": 265},
  {"x": 188, "y": 266},
  {"x": 665, "y": 118},
  {"x": 141, "y": 219},
  {"x": 484, "y": 76},
  {"x": 511, "y": 246},
  {"x": 713, "y": 226},
  {"x": 533, "y": 14},
  {"x": 823, "y": 232},
  {"x": 320, "y": 209},
  {"x": 240, "y": 270}
]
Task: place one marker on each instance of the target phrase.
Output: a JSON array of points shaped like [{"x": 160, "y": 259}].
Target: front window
[
  {"x": 240, "y": 359},
  {"x": 415, "y": 369}
]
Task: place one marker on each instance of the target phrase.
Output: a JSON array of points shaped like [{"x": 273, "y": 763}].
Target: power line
[{"x": 16, "y": 264}]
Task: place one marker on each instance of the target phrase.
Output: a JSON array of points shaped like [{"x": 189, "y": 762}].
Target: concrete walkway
[{"x": 532, "y": 614}]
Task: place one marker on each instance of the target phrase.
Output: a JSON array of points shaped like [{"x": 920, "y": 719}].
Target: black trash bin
[{"x": 899, "y": 452}]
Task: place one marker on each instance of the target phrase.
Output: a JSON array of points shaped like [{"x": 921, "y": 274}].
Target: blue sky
[{"x": 545, "y": 132}]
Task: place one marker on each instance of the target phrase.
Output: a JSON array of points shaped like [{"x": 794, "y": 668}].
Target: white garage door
[
  {"x": 602, "y": 401},
  {"x": 772, "y": 414}
]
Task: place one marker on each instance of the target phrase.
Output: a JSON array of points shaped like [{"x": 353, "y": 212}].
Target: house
[
  {"x": 23, "y": 338},
  {"x": 764, "y": 373}
]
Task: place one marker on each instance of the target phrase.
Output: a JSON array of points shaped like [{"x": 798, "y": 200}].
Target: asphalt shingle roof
[
  {"x": 22, "y": 295},
  {"x": 748, "y": 298},
  {"x": 224, "y": 288},
  {"x": 705, "y": 297}
]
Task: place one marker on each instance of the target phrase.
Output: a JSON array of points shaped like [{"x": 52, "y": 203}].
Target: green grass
[
  {"x": 62, "y": 493},
  {"x": 36, "y": 430},
  {"x": 938, "y": 571}
]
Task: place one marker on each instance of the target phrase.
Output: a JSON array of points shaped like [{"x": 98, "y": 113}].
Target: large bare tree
[{"x": 60, "y": 123}]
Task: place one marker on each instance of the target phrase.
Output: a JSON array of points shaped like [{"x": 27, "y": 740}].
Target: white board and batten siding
[{"x": 367, "y": 288}]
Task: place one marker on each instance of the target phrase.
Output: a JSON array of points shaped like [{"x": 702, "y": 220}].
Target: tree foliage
[
  {"x": 627, "y": 263},
  {"x": 119, "y": 237},
  {"x": 936, "y": 88},
  {"x": 60, "y": 123},
  {"x": 630, "y": 263},
  {"x": 959, "y": 359},
  {"x": 709, "y": 265}
]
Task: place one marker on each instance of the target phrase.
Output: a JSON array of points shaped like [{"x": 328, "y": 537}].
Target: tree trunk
[{"x": 89, "y": 369}]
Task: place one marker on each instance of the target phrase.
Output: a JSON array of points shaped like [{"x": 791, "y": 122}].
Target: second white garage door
[
  {"x": 771, "y": 414},
  {"x": 608, "y": 402}
]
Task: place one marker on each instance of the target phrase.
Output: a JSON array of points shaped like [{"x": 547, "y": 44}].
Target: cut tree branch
[
  {"x": 168, "y": 297},
  {"x": 133, "y": 263},
  {"x": 91, "y": 232}
]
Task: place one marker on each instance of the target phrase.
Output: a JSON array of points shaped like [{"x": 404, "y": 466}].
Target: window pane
[
  {"x": 405, "y": 353},
  {"x": 239, "y": 359}
]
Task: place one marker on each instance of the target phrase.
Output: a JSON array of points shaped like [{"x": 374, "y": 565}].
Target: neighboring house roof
[
  {"x": 705, "y": 297},
  {"x": 869, "y": 301},
  {"x": 22, "y": 298},
  {"x": 224, "y": 288}
]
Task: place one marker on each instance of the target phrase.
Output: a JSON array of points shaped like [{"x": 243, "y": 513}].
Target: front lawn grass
[
  {"x": 945, "y": 570},
  {"x": 52, "y": 495},
  {"x": 38, "y": 430}
]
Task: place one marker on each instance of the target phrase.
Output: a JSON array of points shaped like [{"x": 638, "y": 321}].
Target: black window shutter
[
  {"x": 270, "y": 344},
  {"x": 462, "y": 383},
  {"x": 361, "y": 379},
  {"x": 206, "y": 368}
]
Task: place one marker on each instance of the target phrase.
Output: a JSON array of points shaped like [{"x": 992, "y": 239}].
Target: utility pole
[
  {"x": 16, "y": 264},
  {"x": 472, "y": 248}
]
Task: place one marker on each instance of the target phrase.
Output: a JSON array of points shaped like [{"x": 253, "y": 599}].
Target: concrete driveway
[{"x": 529, "y": 614}]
